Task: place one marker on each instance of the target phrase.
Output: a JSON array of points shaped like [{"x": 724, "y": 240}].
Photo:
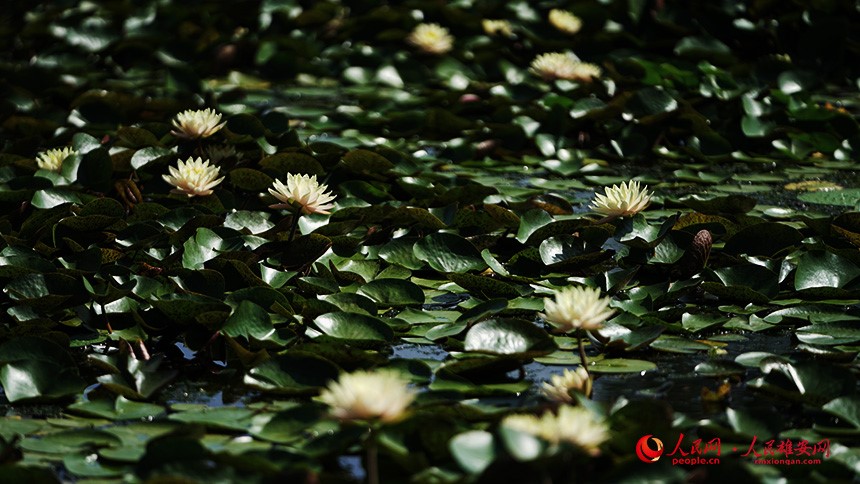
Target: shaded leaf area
[{"x": 147, "y": 336}]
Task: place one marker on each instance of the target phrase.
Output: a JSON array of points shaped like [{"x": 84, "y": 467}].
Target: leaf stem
[
  {"x": 582, "y": 359},
  {"x": 372, "y": 464},
  {"x": 295, "y": 225}
]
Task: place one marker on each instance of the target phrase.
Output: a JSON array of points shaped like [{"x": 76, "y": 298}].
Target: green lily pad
[
  {"x": 474, "y": 450},
  {"x": 249, "y": 321},
  {"x": 486, "y": 287},
  {"x": 637, "y": 232},
  {"x": 812, "y": 382},
  {"x": 717, "y": 205},
  {"x": 753, "y": 359},
  {"x": 399, "y": 251},
  {"x": 294, "y": 372},
  {"x": 53, "y": 197},
  {"x": 444, "y": 330},
  {"x": 33, "y": 368},
  {"x": 365, "y": 161},
  {"x": 119, "y": 409},
  {"x": 287, "y": 426},
  {"x": 824, "y": 269},
  {"x": 617, "y": 336},
  {"x": 354, "y": 326},
  {"x": 201, "y": 248},
  {"x": 523, "y": 446},
  {"x": 530, "y": 222},
  {"x": 137, "y": 379},
  {"x": 764, "y": 239},
  {"x": 152, "y": 154},
  {"x": 70, "y": 441},
  {"x": 483, "y": 311},
  {"x": 832, "y": 333},
  {"x": 393, "y": 292},
  {"x": 674, "y": 344},
  {"x": 698, "y": 322},
  {"x": 847, "y": 408},
  {"x": 621, "y": 365},
  {"x": 754, "y": 283},
  {"x": 282, "y": 164},
  {"x": 843, "y": 198},
  {"x": 508, "y": 337},
  {"x": 222, "y": 418},
  {"x": 86, "y": 466},
  {"x": 719, "y": 368},
  {"x": 352, "y": 303},
  {"x": 250, "y": 179},
  {"x": 448, "y": 253}
]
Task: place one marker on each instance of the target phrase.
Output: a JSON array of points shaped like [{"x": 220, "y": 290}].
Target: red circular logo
[{"x": 645, "y": 453}]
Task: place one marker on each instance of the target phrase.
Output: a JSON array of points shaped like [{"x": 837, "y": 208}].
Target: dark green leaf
[
  {"x": 448, "y": 253},
  {"x": 354, "y": 326}
]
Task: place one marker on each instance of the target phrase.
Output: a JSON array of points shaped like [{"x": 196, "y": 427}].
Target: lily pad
[
  {"x": 393, "y": 292},
  {"x": 448, "y": 253},
  {"x": 824, "y": 269},
  {"x": 33, "y": 368},
  {"x": 621, "y": 365},
  {"x": 354, "y": 326},
  {"x": 832, "y": 333},
  {"x": 294, "y": 372},
  {"x": 473, "y": 450},
  {"x": 508, "y": 337}
]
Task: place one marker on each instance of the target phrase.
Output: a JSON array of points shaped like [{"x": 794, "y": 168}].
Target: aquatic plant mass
[{"x": 429, "y": 242}]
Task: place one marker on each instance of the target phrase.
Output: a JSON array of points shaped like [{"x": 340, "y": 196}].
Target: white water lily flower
[
  {"x": 565, "y": 21},
  {"x": 560, "y": 65},
  {"x": 497, "y": 27},
  {"x": 577, "y": 426},
  {"x": 577, "y": 307},
  {"x": 195, "y": 178},
  {"x": 431, "y": 38},
  {"x": 367, "y": 395},
  {"x": 53, "y": 159},
  {"x": 622, "y": 200},
  {"x": 523, "y": 422},
  {"x": 571, "y": 425},
  {"x": 305, "y": 191},
  {"x": 560, "y": 387},
  {"x": 197, "y": 124}
]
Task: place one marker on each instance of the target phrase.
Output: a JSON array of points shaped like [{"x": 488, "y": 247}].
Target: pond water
[{"x": 673, "y": 381}]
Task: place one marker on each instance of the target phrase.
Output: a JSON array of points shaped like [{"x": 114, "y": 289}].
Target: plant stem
[
  {"x": 372, "y": 464},
  {"x": 582, "y": 359},
  {"x": 295, "y": 224}
]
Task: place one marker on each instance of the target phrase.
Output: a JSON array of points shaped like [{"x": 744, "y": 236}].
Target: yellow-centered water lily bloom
[
  {"x": 565, "y": 21},
  {"x": 195, "y": 178},
  {"x": 578, "y": 426},
  {"x": 431, "y": 38},
  {"x": 201, "y": 123},
  {"x": 622, "y": 200},
  {"x": 497, "y": 27},
  {"x": 523, "y": 422},
  {"x": 304, "y": 191},
  {"x": 368, "y": 395},
  {"x": 560, "y": 65},
  {"x": 560, "y": 387},
  {"x": 53, "y": 159},
  {"x": 572, "y": 425},
  {"x": 576, "y": 307}
]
